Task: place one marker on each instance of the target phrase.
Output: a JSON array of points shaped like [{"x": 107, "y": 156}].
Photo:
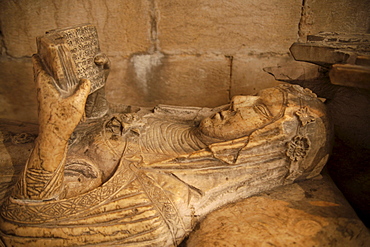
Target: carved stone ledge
[{"x": 346, "y": 55}]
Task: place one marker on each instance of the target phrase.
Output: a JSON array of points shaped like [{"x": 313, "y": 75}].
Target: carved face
[{"x": 246, "y": 114}]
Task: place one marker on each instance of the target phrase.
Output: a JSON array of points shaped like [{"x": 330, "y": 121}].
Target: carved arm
[{"x": 58, "y": 117}]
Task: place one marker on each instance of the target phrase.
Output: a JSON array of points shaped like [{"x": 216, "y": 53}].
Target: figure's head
[
  {"x": 287, "y": 122},
  {"x": 245, "y": 114},
  {"x": 249, "y": 113}
]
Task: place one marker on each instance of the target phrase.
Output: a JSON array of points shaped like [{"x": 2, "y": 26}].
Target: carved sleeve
[{"x": 36, "y": 183}]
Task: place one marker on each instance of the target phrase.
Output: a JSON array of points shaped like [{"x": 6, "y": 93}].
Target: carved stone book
[{"x": 68, "y": 55}]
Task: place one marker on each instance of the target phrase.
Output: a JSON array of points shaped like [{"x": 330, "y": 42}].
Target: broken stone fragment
[{"x": 327, "y": 48}]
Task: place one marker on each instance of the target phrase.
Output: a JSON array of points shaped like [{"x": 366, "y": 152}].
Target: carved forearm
[
  {"x": 48, "y": 153},
  {"x": 42, "y": 178}
]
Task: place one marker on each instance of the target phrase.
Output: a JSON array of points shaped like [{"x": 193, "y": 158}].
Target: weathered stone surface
[
  {"x": 310, "y": 213},
  {"x": 318, "y": 54},
  {"x": 346, "y": 54},
  {"x": 363, "y": 60},
  {"x": 17, "y": 90},
  {"x": 123, "y": 29},
  {"x": 150, "y": 79},
  {"x": 327, "y": 48},
  {"x": 337, "y": 16},
  {"x": 293, "y": 70},
  {"x": 16, "y": 142},
  {"x": 350, "y": 75},
  {"x": 123, "y": 26},
  {"x": 129, "y": 28},
  {"x": 231, "y": 27},
  {"x": 248, "y": 76},
  {"x": 117, "y": 90}
]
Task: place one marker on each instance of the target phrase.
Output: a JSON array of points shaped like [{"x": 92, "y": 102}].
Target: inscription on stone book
[{"x": 79, "y": 44}]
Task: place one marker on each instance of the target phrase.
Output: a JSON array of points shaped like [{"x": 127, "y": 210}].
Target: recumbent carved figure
[{"x": 146, "y": 178}]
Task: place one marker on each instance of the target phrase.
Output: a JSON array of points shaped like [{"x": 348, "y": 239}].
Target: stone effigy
[{"x": 146, "y": 177}]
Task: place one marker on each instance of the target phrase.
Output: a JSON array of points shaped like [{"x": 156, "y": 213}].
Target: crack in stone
[
  {"x": 306, "y": 21},
  {"x": 231, "y": 59},
  {"x": 3, "y": 49},
  {"x": 154, "y": 18}
]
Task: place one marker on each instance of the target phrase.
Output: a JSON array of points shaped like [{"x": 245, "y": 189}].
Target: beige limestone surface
[
  {"x": 255, "y": 31},
  {"x": 338, "y": 16},
  {"x": 246, "y": 79},
  {"x": 17, "y": 90},
  {"x": 309, "y": 213},
  {"x": 122, "y": 25},
  {"x": 227, "y": 27},
  {"x": 178, "y": 80}
]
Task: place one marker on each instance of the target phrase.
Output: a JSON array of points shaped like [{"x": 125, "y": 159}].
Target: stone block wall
[{"x": 182, "y": 52}]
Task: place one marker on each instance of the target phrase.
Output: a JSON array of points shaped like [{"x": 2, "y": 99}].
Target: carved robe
[{"x": 158, "y": 203}]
